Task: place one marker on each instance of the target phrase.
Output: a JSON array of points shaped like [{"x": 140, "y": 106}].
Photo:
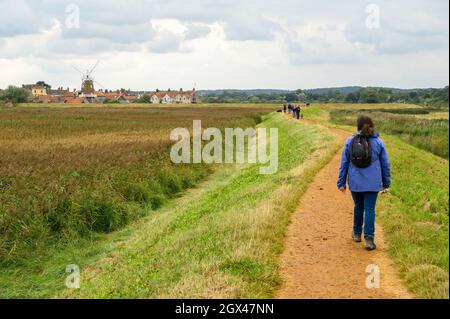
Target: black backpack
[{"x": 360, "y": 151}]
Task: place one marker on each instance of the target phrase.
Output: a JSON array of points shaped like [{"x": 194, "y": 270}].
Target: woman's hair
[{"x": 365, "y": 125}]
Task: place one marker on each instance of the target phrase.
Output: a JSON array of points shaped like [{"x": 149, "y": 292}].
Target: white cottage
[{"x": 171, "y": 97}]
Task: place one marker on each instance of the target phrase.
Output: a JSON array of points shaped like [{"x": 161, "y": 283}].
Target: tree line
[{"x": 426, "y": 97}]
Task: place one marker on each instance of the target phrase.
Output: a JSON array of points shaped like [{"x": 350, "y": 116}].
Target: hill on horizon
[{"x": 342, "y": 90}]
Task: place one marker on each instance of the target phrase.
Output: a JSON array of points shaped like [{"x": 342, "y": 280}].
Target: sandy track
[{"x": 319, "y": 259}]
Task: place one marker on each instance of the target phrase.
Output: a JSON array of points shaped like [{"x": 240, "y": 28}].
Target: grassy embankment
[{"x": 415, "y": 213}]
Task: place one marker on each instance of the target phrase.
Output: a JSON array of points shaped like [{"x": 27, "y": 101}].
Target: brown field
[{"x": 70, "y": 172}]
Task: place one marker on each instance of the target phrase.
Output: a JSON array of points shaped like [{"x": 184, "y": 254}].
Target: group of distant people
[{"x": 293, "y": 109}]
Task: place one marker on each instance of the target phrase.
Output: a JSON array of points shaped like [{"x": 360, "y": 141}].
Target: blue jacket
[{"x": 369, "y": 179}]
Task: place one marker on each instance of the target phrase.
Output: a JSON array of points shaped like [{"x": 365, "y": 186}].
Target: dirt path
[{"x": 319, "y": 259}]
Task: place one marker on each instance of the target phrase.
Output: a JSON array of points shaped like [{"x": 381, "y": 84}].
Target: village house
[
  {"x": 60, "y": 92},
  {"x": 126, "y": 98},
  {"x": 36, "y": 90},
  {"x": 101, "y": 97},
  {"x": 59, "y": 95},
  {"x": 171, "y": 97}
]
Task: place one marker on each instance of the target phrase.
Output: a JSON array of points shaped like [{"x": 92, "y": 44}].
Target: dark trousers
[{"x": 364, "y": 213}]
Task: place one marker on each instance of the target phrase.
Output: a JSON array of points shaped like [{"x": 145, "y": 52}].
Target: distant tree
[
  {"x": 291, "y": 97},
  {"x": 351, "y": 98},
  {"x": 43, "y": 84},
  {"x": 254, "y": 99},
  {"x": 368, "y": 95},
  {"x": 302, "y": 96},
  {"x": 15, "y": 95},
  {"x": 413, "y": 96},
  {"x": 144, "y": 99}
]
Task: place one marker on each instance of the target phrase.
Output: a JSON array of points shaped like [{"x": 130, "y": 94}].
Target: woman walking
[{"x": 366, "y": 165}]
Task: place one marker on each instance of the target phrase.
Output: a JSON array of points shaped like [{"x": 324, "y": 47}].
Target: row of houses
[
  {"x": 184, "y": 97},
  {"x": 44, "y": 94}
]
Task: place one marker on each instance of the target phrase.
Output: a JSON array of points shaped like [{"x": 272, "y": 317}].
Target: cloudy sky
[{"x": 226, "y": 43}]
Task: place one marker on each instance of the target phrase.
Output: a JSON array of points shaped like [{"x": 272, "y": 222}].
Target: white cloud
[
  {"x": 196, "y": 30},
  {"x": 165, "y": 42}
]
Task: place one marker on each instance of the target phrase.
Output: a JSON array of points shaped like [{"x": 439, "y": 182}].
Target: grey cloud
[
  {"x": 74, "y": 47},
  {"x": 137, "y": 33},
  {"x": 165, "y": 42},
  {"x": 18, "y": 18},
  {"x": 304, "y": 50},
  {"x": 246, "y": 27},
  {"x": 411, "y": 26},
  {"x": 195, "y": 31},
  {"x": 97, "y": 17},
  {"x": 386, "y": 41}
]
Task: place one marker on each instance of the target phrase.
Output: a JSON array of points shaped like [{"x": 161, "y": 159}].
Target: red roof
[
  {"x": 73, "y": 100},
  {"x": 48, "y": 98},
  {"x": 68, "y": 94},
  {"x": 111, "y": 95}
]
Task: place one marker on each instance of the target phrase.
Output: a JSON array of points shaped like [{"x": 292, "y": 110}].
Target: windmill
[{"x": 87, "y": 83}]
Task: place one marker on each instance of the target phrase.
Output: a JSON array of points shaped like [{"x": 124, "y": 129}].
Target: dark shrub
[
  {"x": 137, "y": 193},
  {"x": 103, "y": 216}
]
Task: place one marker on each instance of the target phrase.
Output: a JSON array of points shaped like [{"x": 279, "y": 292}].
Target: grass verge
[{"x": 415, "y": 218}]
